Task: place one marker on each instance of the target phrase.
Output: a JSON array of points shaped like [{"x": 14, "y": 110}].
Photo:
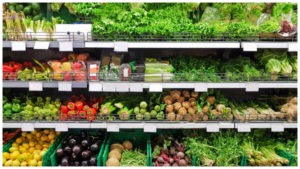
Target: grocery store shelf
[
  {"x": 275, "y": 127},
  {"x": 152, "y": 126},
  {"x": 153, "y": 87},
  {"x": 253, "y": 46},
  {"x": 52, "y": 44},
  {"x": 53, "y": 84}
]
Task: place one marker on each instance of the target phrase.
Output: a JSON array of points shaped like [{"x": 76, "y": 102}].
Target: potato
[
  {"x": 115, "y": 154},
  {"x": 112, "y": 162},
  {"x": 127, "y": 145},
  {"x": 117, "y": 146}
]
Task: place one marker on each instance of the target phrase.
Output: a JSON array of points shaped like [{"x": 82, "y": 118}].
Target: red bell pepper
[
  {"x": 86, "y": 107},
  {"x": 90, "y": 118},
  {"x": 7, "y": 68},
  {"x": 91, "y": 111},
  {"x": 17, "y": 66},
  {"x": 82, "y": 114},
  {"x": 64, "y": 109},
  {"x": 79, "y": 105},
  {"x": 96, "y": 106},
  {"x": 71, "y": 113},
  {"x": 63, "y": 117},
  {"x": 71, "y": 106}
]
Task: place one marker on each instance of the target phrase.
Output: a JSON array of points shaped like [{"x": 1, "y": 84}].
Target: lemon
[
  {"x": 19, "y": 140},
  {"x": 4, "y": 160},
  {"x": 57, "y": 133},
  {"x": 29, "y": 157},
  {"x": 46, "y": 131},
  {"x": 34, "y": 132},
  {"x": 23, "y": 150},
  {"x": 42, "y": 153},
  {"x": 45, "y": 145},
  {"x": 24, "y": 134},
  {"x": 38, "y": 147},
  {"x": 37, "y": 157},
  {"x": 8, "y": 163},
  {"x": 25, "y": 145},
  {"x": 15, "y": 144},
  {"x": 45, "y": 149},
  {"x": 22, "y": 157},
  {"x": 52, "y": 141},
  {"x": 29, "y": 136},
  {"x": 44, "y": 138},
  {"x": 40, "y": 163},
  {"x": 51, "y": 136},
  {"x": 23, "y": 163},
  {"x": 12, "y": 149},
  {"x": 32, "y": 163},
  {"x": 5, "y": 155},
  {"x": 14, "y": 155},
  {"x": 16, "y": 163},
  {"x": 38, "y": 135},
  {"x": 31, "y": 149},
  {"x": 31, "y": 143}
]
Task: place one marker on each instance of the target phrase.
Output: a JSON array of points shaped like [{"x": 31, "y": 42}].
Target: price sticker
[
  {"x": 293, "y": 47},
  {"x": 136, "y": 87},
  {"x": 121, "y": 47},
  {"x": 277, "y": 127},
  {"x": 61, "y": 127},
  {"x": 27, "y": 127},
  {"x": 109, "y": 87},
  {"x": 66, "y": 46},
  {"x": 18, "y": 46},
  {"x": 113, "y": 128},
  {"x": 252, "y": 87},
  {"x": 95, "y": 87},
  {"x": 212, "y": 128},
  {"x": 41, "y": 45},
  {"x": 201, "y": 87},
  {"x": 65, "y": 86},
  {"x": 122, "y": 87},
  {"x": 149, "y": 128},
  {"x": 244, "y": 128},
  {"x": 249, "y": 47},
  {"x": 155, "y": 88},
  {"x": 35, "y": 86}
]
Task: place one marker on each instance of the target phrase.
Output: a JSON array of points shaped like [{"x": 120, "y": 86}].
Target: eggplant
[
  {"x": 76, "y": 149},
  {"x": 93, "y": 160},
  {"x": 67, "y": 150},
  {"x": 83, "y": 134},
  {"x": 86, "y": 154},
  {"x": 84, "y": 163},
  {"x": 76, "y": 163},
  {"x": 85, "y": 143},
  {"x": 65, "y": 161},
  {"x": 72, "y": 142},
  {"x": 95, "y": 147},
  {"x": 74, "y": 156},
  {"x": 59, "y": 153}
]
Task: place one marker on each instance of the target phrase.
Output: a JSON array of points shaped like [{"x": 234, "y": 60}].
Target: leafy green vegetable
[{"x": 273, "y": 66}]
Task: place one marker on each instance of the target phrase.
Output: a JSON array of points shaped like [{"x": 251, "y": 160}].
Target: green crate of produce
[
  {"x": 139, "y": 140},
  {"x": 244, "y": 161},
  {"x": 287, "y": 155},
  {"x": 53, "y": 161}
]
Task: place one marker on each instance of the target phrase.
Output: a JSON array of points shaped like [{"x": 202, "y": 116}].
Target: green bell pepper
[
  {"x": 7, "y": 106},
  {"x": 16, "y": 108},
  {"x": 8, "y": 112}
]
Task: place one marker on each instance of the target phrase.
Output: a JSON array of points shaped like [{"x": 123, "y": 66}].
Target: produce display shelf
[
  {"x": 50, "y": 84},
  {"x": 253, "y": 46},
  {"x": 52, "y": 44},
  {"x": 152, "y": 126}
]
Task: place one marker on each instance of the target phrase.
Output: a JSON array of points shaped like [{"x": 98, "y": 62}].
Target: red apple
[{"x": 68, "y": 76}]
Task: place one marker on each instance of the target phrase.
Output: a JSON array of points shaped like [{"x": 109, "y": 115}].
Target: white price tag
[
  {"x": 125, "y": 72},
  {"x": 249, "y": 47},
  {"x": 201, "y": 87},
  {"x": 155, "y": 88},
  {"x": 38, "y": 45},
  {"x": 122, "y": 87},
  {"x": 149, "y": 128},
  {"x": 61, "y": 127},
  {"x": 65, "y": 86},
  {"x": 18, "y": 46},
  {"x": 212, "y": 128},
  {"x": 35, "y": 86},
  {"x": 109, "y": 87},
  {"x": 135, "y": 87},
  {"x": 95, "y": 87},
  {"x": 113, "y": 128},
  {"x": 121, "y": 47},
  {"x": 65, "y": 46},
  {"x": 277, "y": 127},
  {"x": 243, "y": 127},
  {"x": 293, "y": 47},
  {"x": 252, "y": 87},
  {"x": 27, "y": 127}
]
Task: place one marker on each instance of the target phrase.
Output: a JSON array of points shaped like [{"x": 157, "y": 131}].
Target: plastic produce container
[
  {"x": 139, "y": 140},
  {"x": 93, "y": 70},
  {"x": 52, "y": 158}
]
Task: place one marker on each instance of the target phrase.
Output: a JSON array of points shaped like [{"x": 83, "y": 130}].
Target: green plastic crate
[
  {"x": 7, "y": 145},
  {"x": 287, "y": 155},
  {"x": 53, "y": 155},
  {"x": 139, "y": 140}
]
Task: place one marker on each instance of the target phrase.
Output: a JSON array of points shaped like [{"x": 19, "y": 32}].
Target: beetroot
[
  {"x": 160, "y": 160},
  {"x": 182, "y": 162},
  {"x": 180, "y": 155}
]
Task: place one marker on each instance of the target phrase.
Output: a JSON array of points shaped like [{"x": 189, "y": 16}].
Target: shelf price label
[
  {"x": 212, "y": 128},
  {"x": 61, "y": 127},
  {"x": 243, "y": 127},
  {"x": 136, "y": 87},
  {"x": 201, "y": 87},
  {"x": 277, "y": 127},
  {"x": 252, "y": 87},
  {"x": 65, "y": 86},
  {"x": 148, "y": 128},
  {"x": 249, "y": 47},
  {"x": 122, "y": 87},
  {"x": 18, "y": 46},
  {"x": 66, "y": 46},
  {"x": 35, "y": 86},
  {"x": 112, "y": 128},
  {"x": 121, "y": 47},
  {"x": 155, "y": 88},
  {"x": 27, "y": 127},
  {"x": 293, "y": 47},
  {"x": 109, "y": 87},
  {"x": 95, "y": 87},
  {"x": 38, "y": 45}
]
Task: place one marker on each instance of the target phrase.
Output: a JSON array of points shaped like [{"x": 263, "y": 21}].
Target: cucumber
[
  {"x": 35, "y": 7},
  {"x": 27, "y": 10}
]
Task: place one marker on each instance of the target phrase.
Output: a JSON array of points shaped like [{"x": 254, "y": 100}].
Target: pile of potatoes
[{"x": 116, "y": 151}]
